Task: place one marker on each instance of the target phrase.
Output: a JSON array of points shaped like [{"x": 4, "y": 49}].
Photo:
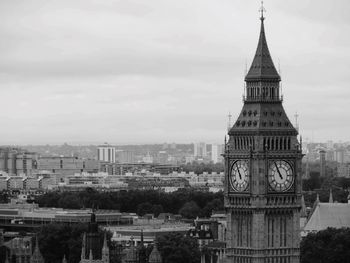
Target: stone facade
[{"x": 263, "y": 171}]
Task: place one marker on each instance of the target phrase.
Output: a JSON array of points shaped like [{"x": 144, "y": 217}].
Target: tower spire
[
  {"x": 262, "y": 10},
  {"x": 36, "y": 256},
  {"x": 330, "y": 196},
  {"x": 262, "y": 67}
]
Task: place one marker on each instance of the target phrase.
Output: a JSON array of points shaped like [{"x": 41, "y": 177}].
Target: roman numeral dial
[
  {"x": 280, "y": 176},
  {"x": 239, "y": 175}
]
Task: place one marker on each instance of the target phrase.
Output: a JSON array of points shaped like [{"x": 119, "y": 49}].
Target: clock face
[
  {"x": 239, "y": 175},
  {"x": 280, "y": 176}
]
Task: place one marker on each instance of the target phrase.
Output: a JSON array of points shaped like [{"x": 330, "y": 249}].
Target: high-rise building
[
  {"x": 17, "y": 161},
  {"x": 263, "y": 179},
  {"x": 125, "y": 156},
  {"x": 106, "y": 153},
  {"x": 339, "y": 155},
  {"x": 216, "y": 153},
  {"x": 200, "y": 150},
  {"x": 322, "y": 163}
]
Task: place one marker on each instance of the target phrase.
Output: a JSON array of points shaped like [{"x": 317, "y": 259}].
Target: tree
[
  {"x": 133, "y": 201},
  {"x": 176, "y": 248},
  {"x": 314, "y": 182},
  {"x": 190, "y": 210},
  {"x": 326, "y": 246},
  {"x": 144, "y": 208},
  {"x": 215, "y": 205},
  {"x": 157, "y": 209},
  {"x": 57, "y": 240}
]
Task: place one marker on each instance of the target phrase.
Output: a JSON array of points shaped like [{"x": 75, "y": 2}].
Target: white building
[
  {"x": 200, "y": 150},
  {"x": 106, "y": 153},
  {"x": 216, "y": 151}
]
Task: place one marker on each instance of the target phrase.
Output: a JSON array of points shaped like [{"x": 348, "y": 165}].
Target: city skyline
[{"x": 132, "y": 73}]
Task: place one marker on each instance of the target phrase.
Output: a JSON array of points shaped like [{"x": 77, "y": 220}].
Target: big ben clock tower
[{"x": 263, "y": 171}]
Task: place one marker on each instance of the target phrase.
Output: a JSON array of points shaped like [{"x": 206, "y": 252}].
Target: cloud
[{"x": 162, "y": 70}]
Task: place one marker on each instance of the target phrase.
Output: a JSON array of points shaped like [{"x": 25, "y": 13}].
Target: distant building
[
  {"x": 148, "y": 158},
  {"x": 323, "y": 163},
  {"x": 106, "y": 153},
  {"x": 16, "y": 161},
  {"x": 306, "y": 174},
  {"x": 324, "y": 215},
  {"x": 24, "y": 214},
  {"x": 343, "y": 170},
  {"x": 92, "y": 251},
  {"x": 211, "y": 237},
  {"x": 125, "y": 156},
  {"x": 339, "y": 155},
  {"x": 155, "y": 256},
  {"x": 66, "y": 165},
  {"x": 20, "y": 249},
  {"x": 200, "y": 150},
  {"x": 216, "y": 151}
]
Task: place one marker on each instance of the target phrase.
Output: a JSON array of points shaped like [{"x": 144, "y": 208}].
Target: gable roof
[{"x": 326, "y": 215}]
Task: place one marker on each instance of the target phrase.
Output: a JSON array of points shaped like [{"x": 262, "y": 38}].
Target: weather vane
[{"x": 262, "y": 10}]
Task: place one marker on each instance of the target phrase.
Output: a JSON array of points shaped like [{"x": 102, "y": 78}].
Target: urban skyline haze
[{"x": 131, "y": 72}]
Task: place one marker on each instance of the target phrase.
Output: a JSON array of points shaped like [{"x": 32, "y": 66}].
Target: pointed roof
[
  {"x": 325, "y": 215},
  {"x": 262, "y": 67},
  {"x": 36, "y": 256},
  {"x": 330, "y": 196},
  {"x": 83, "y": 247},
  {"x": 105, "y": 246},
  {"x": 155, "y": 256}
]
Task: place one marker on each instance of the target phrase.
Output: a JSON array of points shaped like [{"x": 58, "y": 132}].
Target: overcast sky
[{"x": 154, "y": 71}]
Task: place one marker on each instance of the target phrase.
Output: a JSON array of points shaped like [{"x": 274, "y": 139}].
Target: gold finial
[{"x": 262, "y": 10}]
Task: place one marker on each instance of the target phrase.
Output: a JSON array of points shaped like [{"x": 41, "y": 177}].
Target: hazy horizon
[{"x": 126, "y": 72}]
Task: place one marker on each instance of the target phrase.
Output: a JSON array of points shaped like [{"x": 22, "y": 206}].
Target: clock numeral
[
  {"x": 280, "y": 176},
  {"x": 239, "y": 175}
]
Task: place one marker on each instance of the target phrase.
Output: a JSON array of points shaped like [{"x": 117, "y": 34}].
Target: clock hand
[
  {"x": 279, "y": 172},
  {"x": 240, "y": 176}
]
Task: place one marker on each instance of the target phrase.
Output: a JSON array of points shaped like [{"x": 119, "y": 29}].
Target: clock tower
[{"x": 263, "y": 171}]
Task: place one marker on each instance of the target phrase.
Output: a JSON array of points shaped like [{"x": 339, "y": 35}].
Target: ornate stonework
[{"x": 263, "y": 171}]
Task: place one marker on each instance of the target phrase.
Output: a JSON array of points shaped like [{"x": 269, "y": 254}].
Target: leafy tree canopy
[
  {"x": 135, "y": 201},
  {"x": 326, "y": 246},
  {"x": 176, "y": 248}
]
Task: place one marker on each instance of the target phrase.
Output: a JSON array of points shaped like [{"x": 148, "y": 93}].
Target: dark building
[
  {"x": 323, "y": 163},
  {"x": 92, "y": 251},
  {"x": 263, "y": 175}
]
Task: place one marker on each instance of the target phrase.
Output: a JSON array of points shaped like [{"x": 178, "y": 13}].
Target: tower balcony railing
[{"x": 262, "y": 98}]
